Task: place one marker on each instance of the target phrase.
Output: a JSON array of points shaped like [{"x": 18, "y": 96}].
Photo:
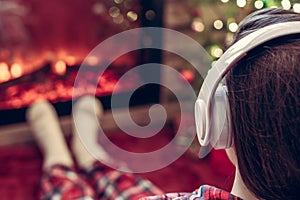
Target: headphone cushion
[{"x": 220, "y": 126}]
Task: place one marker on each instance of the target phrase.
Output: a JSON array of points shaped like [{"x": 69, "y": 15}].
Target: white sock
[
  {"x": 45, "y": 126},
  {"x": 86, "y": 114}
]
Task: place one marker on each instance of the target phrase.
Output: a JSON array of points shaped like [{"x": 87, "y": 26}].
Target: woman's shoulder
[{"x": 204, "y": 192}]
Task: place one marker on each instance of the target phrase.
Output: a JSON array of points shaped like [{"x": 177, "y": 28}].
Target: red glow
[
  {"x": 60, "y": 67},
  {"x": 188, "y": 75},
  {"x": 16, "y": 70},
  {"x": 71, "y": 60},
  {"x": 4, "y": 72},
  {"x": 47, "y": 85}
]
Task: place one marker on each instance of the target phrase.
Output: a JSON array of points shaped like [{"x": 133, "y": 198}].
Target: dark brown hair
[{"x": 264, "y": 98}]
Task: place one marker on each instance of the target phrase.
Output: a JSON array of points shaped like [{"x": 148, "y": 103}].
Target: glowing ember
[
  {"x": 4, "y": 72},
  {"x": 46, "y": 84},
  {"x": 71, "y": 60},
  {"x": 16, "y": 70},
  {"x": 60, "y": 67},
  {"x": 92, "y": 60}
]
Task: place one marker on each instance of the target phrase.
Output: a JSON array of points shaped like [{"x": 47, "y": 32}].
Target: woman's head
[{"x": 264, "y": 99}]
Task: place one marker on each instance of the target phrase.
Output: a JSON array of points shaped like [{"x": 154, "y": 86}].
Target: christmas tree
[{"x": 217, "y": 20}]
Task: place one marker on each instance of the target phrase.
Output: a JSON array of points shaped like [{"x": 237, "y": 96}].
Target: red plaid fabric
[
  {"x": 63, "y": 183},
  {"x": 111, "y": 184},
  {"x": 205, "y": 192}
]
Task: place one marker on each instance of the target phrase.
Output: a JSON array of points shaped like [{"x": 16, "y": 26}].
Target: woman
[{"x": 264, "y": 99}]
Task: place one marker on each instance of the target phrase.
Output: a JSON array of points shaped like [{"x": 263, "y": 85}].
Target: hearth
[{"x": 45, "y": 66}]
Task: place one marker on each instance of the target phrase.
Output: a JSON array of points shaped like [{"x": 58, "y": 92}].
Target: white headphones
[{"x": 212, "y": 112}]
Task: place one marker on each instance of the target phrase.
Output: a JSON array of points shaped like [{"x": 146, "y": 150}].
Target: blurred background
[{"x": 43, "y": 43}]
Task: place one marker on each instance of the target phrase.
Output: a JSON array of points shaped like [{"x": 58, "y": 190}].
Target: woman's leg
[
  {"x": 86, "y": 112},
  {"x": 46, "y": 129},
  {"x": 109, "y": 183},
  {"x": 59, "y": 180}
]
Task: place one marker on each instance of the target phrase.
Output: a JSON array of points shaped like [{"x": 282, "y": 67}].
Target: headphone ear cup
[
  {"x": 201, "y": 122},
  {"x": 220, "y": 127}
]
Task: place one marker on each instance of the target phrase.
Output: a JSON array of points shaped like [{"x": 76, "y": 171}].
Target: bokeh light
[
  {"x": 218, "y": 24},
  {"x": 258, "y": 4},
  {"x": 241, "y": 3}
]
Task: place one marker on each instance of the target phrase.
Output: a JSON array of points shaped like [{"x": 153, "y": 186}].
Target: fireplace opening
[{"x": 43, "y": 63}]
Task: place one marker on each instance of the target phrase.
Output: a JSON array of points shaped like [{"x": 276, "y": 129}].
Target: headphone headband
[{"x": 203, "y": 106}]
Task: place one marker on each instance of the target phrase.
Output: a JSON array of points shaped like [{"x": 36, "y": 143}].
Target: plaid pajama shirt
[
  {"x": 103, "y": 182},
  {"x": 205, "y": 192}
]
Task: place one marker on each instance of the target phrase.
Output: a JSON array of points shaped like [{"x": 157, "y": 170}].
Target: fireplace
[{"x": 47, "y": 41}]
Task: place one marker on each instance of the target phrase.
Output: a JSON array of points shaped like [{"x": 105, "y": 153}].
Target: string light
[
  {"x": 98, "y": 8},
  {"x": 233, "y": 27},
  {"x": 286, "y": 4},
  {"x": 296, "y": 7},
  {"x": 150, "y": 15},
  {"x": 16, "y": 70},
  {"x": 241, "y": 3},
  {"x": 218, "y": 24},
  {"x": 118, "y": 1},
  {"x": 216, "y": 51},
  {"x": 229, "y": 37},
  {"x": 119, "y": 19},
  {"x": 188, "y": 75},
  {"x": 132, "y": 16},
  {"x": 197, "y": 25},
  {"x": 258, "y": 4},
  {"x": 114, "y": 11}
]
